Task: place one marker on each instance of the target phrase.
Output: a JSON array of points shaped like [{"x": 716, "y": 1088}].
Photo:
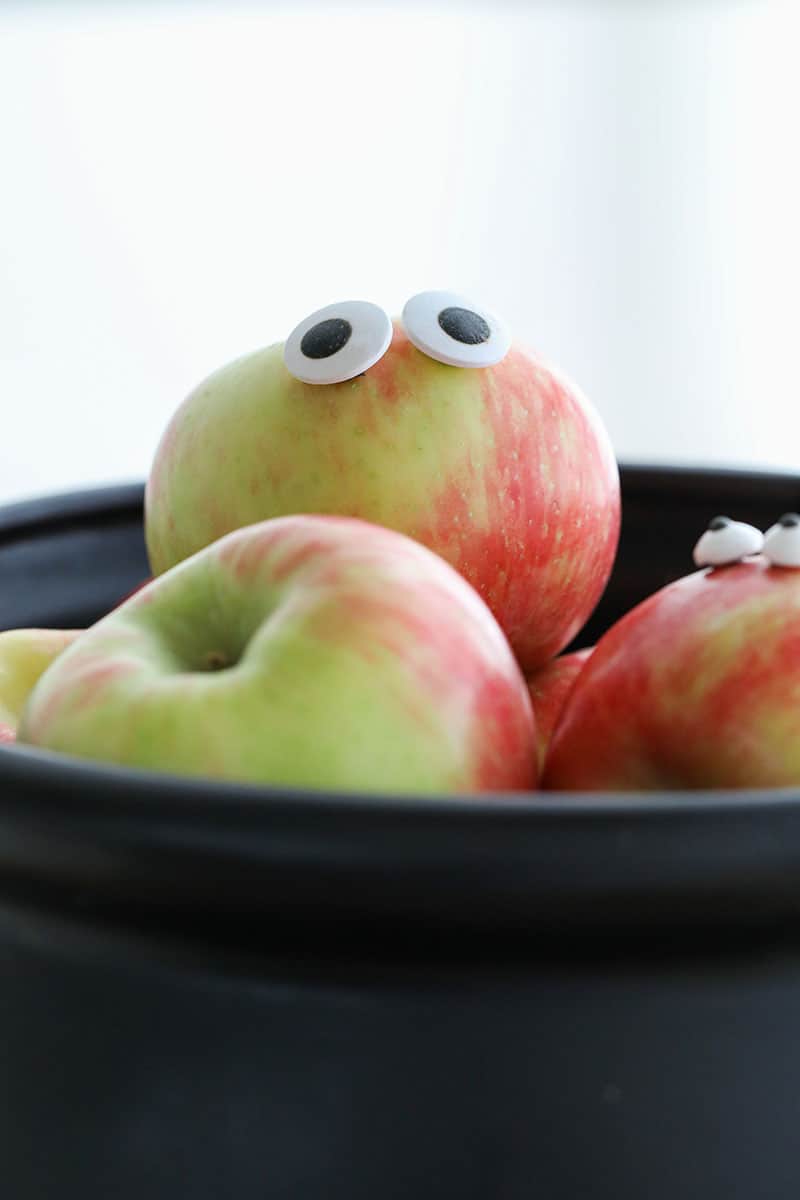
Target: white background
[{"x": 179, "y": 185}]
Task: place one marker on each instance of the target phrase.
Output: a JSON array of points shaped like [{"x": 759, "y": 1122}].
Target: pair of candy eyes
[
  {"x": 727, "y": 541},
  {"x": 344, "y": 340}
]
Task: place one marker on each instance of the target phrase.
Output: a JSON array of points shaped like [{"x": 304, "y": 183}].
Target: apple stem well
[{"x": 216, "y": 660}]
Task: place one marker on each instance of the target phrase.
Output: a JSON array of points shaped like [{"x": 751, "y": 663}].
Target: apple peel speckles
[
  {"x": 782, "y": 541},
  {"x": 726, "y": 541}
]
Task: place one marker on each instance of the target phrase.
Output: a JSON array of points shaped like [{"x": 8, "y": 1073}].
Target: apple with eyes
[
  {"x": 436, "y": 426},
  {"x": 304, "y": 651},
  {"x": 24, "y": 655},
  {"x": 699, "y": 685}
]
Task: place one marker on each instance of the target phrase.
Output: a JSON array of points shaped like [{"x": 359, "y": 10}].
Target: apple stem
[{"x": 216, "y": 660}]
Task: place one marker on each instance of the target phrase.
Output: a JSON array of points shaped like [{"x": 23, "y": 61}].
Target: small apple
[
  {"x": 505, "y": 470},
  {"x": 305, "y": 651},
  {"x": 549, "y": 688},
  {"x": 24, "y": 655},
  {"x": 696, "y": 687}
]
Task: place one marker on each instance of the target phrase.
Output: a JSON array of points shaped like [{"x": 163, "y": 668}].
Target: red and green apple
[
  {"x": 696, "y": 687},
  {"x": 506, "y": 471},
  {"x": 549, "y": 688},
  {"x": 305, "y": 651}
]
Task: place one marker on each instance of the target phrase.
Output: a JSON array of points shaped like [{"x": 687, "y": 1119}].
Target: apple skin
[
  {"x": 549, "y": 688},
  {"x": 507, "y": 472},
  {"x": 696, "y": 687},
  {"x": 357, "y": 659},
  {"x": 132, "y": 591},
  {"x": 24, "y": 655}
]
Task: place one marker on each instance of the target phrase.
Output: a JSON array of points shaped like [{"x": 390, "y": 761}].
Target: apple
[
  {"x": 506, "y": 471},
  {"x": 24, "y": 655},
  {"x": 305, "y": 651},
  {"x": 132, "y": 591},
  {"x": 549, "y": 688},
  {"x": 696, "y": 687}
]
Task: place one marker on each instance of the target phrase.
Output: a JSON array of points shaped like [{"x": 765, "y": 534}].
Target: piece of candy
[
  {"x": 782, "y": 541},
  {"x": 726, "y": 541},
  {"x": 455, "y": 331},
  {"x": 338, "y": 342}
]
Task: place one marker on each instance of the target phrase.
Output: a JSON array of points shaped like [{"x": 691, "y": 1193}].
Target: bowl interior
[{"x": 591, "y": 863}]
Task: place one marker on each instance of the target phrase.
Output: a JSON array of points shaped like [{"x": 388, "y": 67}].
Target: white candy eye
[
  {"x": 454, "y": 330},
  {"x": 782, "y": 541},
  {"x": 338, "y": 342},
  {"x": 726, "y": 541}
]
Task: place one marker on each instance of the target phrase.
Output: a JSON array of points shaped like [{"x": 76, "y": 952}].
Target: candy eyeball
[
  {"x": 726, "y": 541},
  {"x": 453, "y": 330},
  {"x": 338, "y": 342},
  {"x": 782, "y": 541}
]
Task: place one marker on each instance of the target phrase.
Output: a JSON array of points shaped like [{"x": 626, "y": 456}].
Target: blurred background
[{"x": 181, "y": 183}]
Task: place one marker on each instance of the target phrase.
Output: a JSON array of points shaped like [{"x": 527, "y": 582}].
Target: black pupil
[
  {"x": 465, "y": 326},
  {"x": 326, "y": 338},
  {"x": 789, "y": 520},
  {"x": 719, "y": 523}
]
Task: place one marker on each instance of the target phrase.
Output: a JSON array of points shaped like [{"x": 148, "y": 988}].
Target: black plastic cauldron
[{"x": 221, "y": 993}]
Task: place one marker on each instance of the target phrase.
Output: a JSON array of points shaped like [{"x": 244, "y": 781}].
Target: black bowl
[{"x": 219, "y": 991}]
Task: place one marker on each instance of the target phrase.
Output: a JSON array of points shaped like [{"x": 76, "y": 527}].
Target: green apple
[
  {"x": 305, "y": 651},
  {"x": 506, "y": 471},
  {"x": 24, "y": 655}
]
